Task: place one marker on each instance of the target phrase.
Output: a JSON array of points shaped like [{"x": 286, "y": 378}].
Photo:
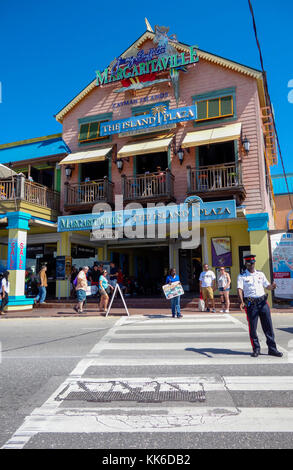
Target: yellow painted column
[
  {"x": 259, "y": 244},
  {"x": 101, "y": 254},
  {"x": 63, "y": 249}
]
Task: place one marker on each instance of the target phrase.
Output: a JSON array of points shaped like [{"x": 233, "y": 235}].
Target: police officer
[{"x": 250, "y": 287}]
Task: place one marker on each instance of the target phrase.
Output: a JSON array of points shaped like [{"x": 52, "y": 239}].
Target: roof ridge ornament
[{"x": 149, "y": 28}]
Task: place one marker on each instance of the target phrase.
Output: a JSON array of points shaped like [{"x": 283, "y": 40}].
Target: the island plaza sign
[{"x": 159, "y": 116}]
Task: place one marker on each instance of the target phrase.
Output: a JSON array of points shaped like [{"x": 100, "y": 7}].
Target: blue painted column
[{"x": 16, "y": 260}]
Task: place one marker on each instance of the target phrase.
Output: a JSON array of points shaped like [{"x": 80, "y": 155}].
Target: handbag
[{"x": 201, "y": 304}]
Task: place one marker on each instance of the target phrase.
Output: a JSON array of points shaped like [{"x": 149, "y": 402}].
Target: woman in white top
[
  {"x": 4, "y": 291},
  {"x": 224, "y": 283}
]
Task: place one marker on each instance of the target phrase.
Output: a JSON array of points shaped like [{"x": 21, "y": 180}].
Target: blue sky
[{"x": 50, "y": 51}]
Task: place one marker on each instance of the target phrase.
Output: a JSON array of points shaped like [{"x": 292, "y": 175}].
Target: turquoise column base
[{"x": 19, "y": 302}]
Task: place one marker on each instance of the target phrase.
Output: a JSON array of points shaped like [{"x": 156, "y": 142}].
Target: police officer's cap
[{"x": 249, "y": 259}]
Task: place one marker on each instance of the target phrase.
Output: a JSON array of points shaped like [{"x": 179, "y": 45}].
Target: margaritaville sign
[
  {"x": 153, "y": 215},
  {"x": 145, "y": 63},
  {"x": 159, "y": 116}
]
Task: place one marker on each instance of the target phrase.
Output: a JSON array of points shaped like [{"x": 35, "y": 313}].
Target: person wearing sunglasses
[
  {"x": 250, "y": 286},
  {"x": 224, "y": 283},
  {"x": 103, "y": 286}
]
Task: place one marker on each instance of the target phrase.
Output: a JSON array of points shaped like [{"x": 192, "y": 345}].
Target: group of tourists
[
  {"x": 98, "y": 276},
  {"x": 208, "y": 284},
  {"x": 250, "y": 286}
]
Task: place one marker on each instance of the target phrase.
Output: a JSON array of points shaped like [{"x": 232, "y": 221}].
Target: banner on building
[
  {"x": 221, "y": 251},
  {"x": 282, "y": 260}
]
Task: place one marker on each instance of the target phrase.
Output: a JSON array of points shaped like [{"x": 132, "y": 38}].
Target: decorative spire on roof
[{"x": 149, "y": 28}]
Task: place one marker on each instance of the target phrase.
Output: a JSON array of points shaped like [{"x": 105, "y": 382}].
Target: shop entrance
[
  {"x": 190, "y": 267},
  {"x": 144, "y": 269},
  {"x": 37, "y": 256}
]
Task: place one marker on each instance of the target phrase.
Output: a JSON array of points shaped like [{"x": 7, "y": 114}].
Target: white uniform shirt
[
  {"x": 5, "y": 284},
  {"x": 252, "y": 284},
  {"x": 207, "y": 278}
]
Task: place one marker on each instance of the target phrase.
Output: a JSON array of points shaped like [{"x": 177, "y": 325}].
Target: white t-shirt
[
  {"x": 252, "y": 284},
  {"x": 223, "y": 280},
  {"x": 5, "y": 284},
  {"x": 207, "y": 278}
]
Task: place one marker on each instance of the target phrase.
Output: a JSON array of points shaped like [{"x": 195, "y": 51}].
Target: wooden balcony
[
  {"x": 217, "y": 181},
  {"x": 152, "y": 187},
  {"x": 82, "y": 196},
  {"x": 17, "y": 189}
]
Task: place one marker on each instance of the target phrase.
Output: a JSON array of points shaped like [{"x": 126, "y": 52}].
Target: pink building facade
[{"x": 223, "y": 153}]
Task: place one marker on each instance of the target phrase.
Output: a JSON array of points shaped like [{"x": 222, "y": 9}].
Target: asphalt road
[{"x": 53, "y": 369}]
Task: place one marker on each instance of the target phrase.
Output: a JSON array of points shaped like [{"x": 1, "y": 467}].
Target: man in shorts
[{"x": 207, "y": 283}]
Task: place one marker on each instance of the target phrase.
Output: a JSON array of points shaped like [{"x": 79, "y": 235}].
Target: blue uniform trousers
[{"x": 262, "y": 311}]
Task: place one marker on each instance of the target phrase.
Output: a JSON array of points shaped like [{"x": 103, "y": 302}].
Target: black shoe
[
  {"x": 275, "y": 353},
  {"x": 179, "y": 316},
  {"x": 255, "y": 353}
]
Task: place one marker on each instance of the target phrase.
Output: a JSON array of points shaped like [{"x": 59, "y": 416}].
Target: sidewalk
[{"x": 92, "y": 311}]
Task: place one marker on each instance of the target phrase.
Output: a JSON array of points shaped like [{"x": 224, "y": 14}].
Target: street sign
[{"x": 117, "y": 288}]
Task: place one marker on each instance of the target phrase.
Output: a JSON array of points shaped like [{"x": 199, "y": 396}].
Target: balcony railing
[
  {"x": 18, "y": 188},
  {"x": 89, "y": 193},
  {"x": 158, "y": 185},
  {"x": 213, "y": 178}
]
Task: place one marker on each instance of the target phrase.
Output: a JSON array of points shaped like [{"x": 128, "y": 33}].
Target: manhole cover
[{"x": 153, "y": 391}]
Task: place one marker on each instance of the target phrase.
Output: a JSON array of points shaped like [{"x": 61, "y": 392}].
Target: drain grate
[{"x": 147, "y": 392}]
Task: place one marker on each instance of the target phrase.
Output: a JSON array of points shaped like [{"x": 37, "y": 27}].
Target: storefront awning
[
  {"x": 212, "y": 136},
  {"x": 146, "y": 146},
  {"x": 88, "y": 156}
]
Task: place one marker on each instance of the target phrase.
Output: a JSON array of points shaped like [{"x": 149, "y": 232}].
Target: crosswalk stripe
[
  {"x": 172, "y": 419},
  {"x": 209, "y": 383},
  {"x": 218, "y": 359},
  {"x": 177, "y": 321},
  {"x": 175, "y": 346},
  {"x": 180, "y": 326},
  {"x": 201, "y": 334},
  {"x": 263, "y": 383}
]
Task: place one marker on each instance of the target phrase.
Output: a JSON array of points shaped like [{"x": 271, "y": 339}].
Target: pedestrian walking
[
  {"x": 41, "y": 297},
  {"x": 253, "y": 299},
  {"x": 207, "y": 285},
  {"x": 120, "y": 280},
  {"x": 224, "y": 283},
  {"x": 73, "y": 275},
  {"x": 4, "y": 292},
  {"x": 103, "y": 286},
  {"x": 175, "y": 302},
  {"x": 113, "y": 274},
  {"x": 81, "y": 289},
  {"x": 94, "y": 276}
]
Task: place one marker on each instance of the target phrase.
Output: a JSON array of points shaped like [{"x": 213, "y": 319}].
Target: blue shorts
[
  {"x": 221, "y": 289},
  {"x": 81, "y": 295}
]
